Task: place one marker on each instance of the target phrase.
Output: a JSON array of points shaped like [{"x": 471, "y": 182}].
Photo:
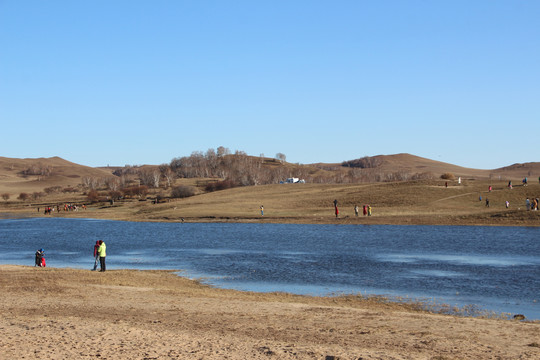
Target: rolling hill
[{"x": 29, "y": 175}]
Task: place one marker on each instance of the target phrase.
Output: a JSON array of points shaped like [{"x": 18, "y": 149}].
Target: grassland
[
  {"x": 448, "y": 202},
  {"x": 414, "y": 202}
]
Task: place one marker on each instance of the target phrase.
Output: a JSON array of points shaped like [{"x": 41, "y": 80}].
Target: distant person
[
  {"x": 336, "y": 210},
  {"x": 364, "y": 210},
  {"x": 487, "y": 202},
  {"x": 510, "y": 184},
  {"x": 96, "y": 255},
  {"x": 528, "y": 204},
  {"x": 534, "y": 204},
  {"x": 262, "y": 210},
  {"x": 480, "y": 198},
  {"x": 524, "y": 181},
  {"x": 446, "y": 184},
  {"x": 356, "y": 210},
  {"x": 40, "y": 258},
  {"x": 335, "y": 202},
  {"x": 102, "y": 251},
  {"x": 507, "y": 203},
  {"x": 489, "y": 189},
  {"x": 369, "y": 210}
]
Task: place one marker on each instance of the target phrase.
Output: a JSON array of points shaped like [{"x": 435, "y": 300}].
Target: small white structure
[{"x": 293, "y": 180}]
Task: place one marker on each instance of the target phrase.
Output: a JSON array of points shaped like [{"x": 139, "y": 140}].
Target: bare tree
[
  {"x": 222, "y": 151},
  {"x": 91, "y": 182},
  {"x": 5, "y": 196},
  {"x": 281, "y": 157},
  {"x": 167, "y": 173},
  {"x": 112, "y": 183},
  {"x": 150, "y": 177}
]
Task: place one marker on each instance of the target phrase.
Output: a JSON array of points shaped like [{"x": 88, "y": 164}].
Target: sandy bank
[{"x": 127, "y": 314}]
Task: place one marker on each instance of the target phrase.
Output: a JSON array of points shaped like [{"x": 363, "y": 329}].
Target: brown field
[
  {"x": 413, "y": 202},
  {"x": 52, "y": 313}
]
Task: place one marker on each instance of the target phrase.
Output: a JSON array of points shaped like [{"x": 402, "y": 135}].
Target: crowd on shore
[{"x": 66, "y": 207}]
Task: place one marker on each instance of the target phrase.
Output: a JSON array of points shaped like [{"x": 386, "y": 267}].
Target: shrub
[
  {"x": 37, "y": 195},
  {"x": 183, "y": 191},
  {"x": 115, "y": 194},
  {"x": 135, "y": 191},
  {"x": 448, "y": 176},
  {"x": 5, "y": 196},
  {"x": 52, "y": 189},
  {"x": 23, "y": 196},
  {"x": 93, "y": 196},
  {"x": 220, "y": 185}
]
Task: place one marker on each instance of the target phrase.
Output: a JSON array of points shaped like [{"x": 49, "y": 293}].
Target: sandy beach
[{"x": 50, "y": 313}]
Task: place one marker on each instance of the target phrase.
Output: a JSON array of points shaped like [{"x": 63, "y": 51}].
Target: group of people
[
  {"x": 67, "y": 207},
  {"x": 100, "y": 252},
  {"x": 532, "y": 205},
  {"x": 366, "y": 210},
  {"x": 40, "y": 258}
]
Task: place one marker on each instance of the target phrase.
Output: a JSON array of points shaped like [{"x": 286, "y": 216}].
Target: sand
[{"x": 50, "y": 313}]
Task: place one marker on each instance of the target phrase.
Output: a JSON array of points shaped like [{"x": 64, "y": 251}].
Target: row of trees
[{"x": 239, "y": 169}]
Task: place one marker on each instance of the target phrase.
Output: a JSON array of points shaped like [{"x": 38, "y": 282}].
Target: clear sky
[{"x": 142, "y": 82}]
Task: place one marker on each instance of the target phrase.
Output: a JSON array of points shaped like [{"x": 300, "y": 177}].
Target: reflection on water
[
  {"x": 462, "y": 259},
  {"x": 438, "y": 273},
  {"x": 495, "y": 267}
]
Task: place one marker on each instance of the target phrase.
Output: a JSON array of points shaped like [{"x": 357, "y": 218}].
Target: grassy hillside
[
  {"x": 31, "y": 175},
  {"x": 398, "y": 202}
]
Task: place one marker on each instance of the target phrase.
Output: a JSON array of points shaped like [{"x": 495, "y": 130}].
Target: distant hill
[
  {"x": 29, "y": 175},
  {"x": 36, "y": 174},
  {"x": 415, "y": 164}
]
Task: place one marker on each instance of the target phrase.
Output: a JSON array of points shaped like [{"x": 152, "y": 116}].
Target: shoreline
[
  {"x": 157, "y": 314},
  {"x": 533, "y": 219}
]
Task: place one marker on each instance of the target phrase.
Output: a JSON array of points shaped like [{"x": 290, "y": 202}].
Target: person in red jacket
[{"x": 96, "y": 255}]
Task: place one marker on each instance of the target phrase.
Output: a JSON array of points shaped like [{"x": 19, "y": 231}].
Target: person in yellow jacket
[{"x": 102, "y": 252}]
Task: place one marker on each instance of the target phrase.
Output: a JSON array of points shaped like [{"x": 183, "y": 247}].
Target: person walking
[
  {"x": 364, "y": 210},
  {"x": 102, "y": 252},
  {"x": 369, "y": 210},
  {"x": 96, "y": 255},
  {"x": 262, "y": 210},
  {"x": 356, "y": 210},
  {"x": 487, "y": 202}
]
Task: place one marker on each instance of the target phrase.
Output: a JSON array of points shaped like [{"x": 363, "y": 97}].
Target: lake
[{"x": 495, "y": 268}]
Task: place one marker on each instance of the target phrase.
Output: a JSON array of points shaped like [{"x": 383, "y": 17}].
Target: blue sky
[{"x": 142, "y": 82}]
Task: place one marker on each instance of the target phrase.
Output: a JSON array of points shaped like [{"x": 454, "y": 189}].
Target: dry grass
[
  {"x": 417, "y": 202},
  {"x": 411, "y": 202}
]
